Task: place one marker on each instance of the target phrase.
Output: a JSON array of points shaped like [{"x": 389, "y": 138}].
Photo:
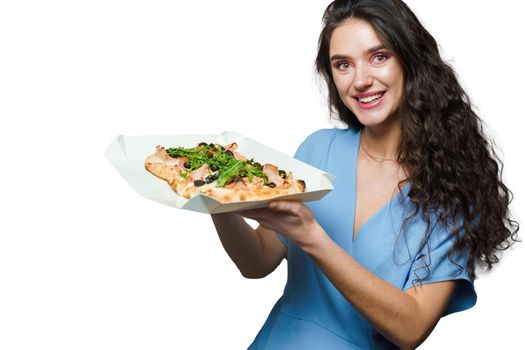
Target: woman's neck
[{"x": 382, "y": 141}]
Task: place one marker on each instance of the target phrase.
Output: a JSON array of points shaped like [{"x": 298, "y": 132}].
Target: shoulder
[
  {"x": 321, "y": 141},
  {"x": 327, "y": 145},
  {"x": 327, "y": 135}
]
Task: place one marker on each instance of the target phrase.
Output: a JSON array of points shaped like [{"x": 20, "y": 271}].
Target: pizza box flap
[{"x": 128, "y": 153}]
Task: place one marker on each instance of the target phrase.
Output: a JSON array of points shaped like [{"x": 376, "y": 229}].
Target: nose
[{"x": 363, "y": 77}]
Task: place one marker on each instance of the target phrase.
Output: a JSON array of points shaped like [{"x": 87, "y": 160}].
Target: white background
[{"x": 86, "y": 263}]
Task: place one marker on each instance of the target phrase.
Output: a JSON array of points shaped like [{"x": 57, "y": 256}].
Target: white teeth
[{"x": 370, "y": 98}]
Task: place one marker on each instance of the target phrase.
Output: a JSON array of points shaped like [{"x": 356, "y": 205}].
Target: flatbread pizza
[{"x": 220, "y": 172}]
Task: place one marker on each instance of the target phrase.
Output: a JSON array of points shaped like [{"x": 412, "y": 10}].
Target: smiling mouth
[{"x": 370, "y": 99}]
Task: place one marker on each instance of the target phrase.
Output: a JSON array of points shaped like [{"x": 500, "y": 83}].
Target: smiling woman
[
  {"x": 418, "y": 199},
  {"x": 87, "y": 264}
]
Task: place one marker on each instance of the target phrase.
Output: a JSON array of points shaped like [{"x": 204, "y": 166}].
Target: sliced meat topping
[
  {"x": 237, "y": 183},
  {"x": 231, "y": 147},
  {"x": 200, "y": 173},
  {"x": 273, "y": 174},
  {"x": 239, "y": 156},
  {"x": 161, "y": 153},
  {"x": 256, "y": 182}
]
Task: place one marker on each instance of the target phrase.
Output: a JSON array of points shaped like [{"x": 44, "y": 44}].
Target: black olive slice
[{"x": 234, "y": 179}]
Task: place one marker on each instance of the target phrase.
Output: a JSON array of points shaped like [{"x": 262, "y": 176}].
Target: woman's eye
[
  {"x": 342, "y": 65},
  {"x": 380, "y": 58}
]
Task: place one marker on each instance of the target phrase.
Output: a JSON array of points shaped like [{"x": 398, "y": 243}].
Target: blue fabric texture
[{"x": 312, "y": 313}]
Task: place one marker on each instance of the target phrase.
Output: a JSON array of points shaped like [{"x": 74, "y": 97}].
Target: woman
[{"x": 418, "y": 198}]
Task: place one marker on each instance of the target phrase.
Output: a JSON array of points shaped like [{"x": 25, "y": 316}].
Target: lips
[
  {"x": 370, "y": 100},
  {"x": 369, "y": 96}
]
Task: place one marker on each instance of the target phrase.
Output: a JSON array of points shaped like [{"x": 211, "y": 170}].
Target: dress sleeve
[
  {"x": 282, "y": 239},
  {"x": 442, "y": 268}
]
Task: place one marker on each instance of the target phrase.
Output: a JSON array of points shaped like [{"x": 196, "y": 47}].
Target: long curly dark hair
[{"x": 452, "y": 166}]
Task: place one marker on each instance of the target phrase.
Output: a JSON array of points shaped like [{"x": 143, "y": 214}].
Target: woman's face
[{"x": 368, "y": 77}]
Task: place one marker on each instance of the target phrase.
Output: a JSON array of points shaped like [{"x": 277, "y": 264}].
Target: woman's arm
[
  {"x": 405, "y": 318},
  {"x": 256, "y": 253}
]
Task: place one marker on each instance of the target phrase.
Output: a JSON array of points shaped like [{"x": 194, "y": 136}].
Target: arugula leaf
[
  {"x": 227, "y": 174},
  {"x": 229, "y": 167}
]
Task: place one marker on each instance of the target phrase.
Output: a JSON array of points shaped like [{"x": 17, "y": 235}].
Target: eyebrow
[{"x": 369, "y": 51}]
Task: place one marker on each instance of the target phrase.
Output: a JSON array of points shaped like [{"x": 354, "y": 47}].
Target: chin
[
  {"x": 375, "y": 118},
  {"x": 372, "y": 121}
]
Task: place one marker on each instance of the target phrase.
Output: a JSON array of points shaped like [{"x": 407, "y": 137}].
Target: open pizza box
[{"x": 127, "y": 154}]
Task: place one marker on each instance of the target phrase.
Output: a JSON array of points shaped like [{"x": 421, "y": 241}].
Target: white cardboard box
[{"x": 128, "y": 153}]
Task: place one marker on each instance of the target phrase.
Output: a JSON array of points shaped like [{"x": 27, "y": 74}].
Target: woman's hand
[{"x": 294, "y": 220}]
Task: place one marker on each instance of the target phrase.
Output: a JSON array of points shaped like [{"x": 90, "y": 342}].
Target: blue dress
[{"x": 312, "y": 313}]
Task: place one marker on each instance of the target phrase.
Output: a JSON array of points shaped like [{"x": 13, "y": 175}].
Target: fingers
[
  {"x": 255, "y": 214},
  {"x": 248, "y": 214},
  {"x": 289, "y": 207},
  {"x": 263, "y": 216},
  {"x": 277, "y": 210}
]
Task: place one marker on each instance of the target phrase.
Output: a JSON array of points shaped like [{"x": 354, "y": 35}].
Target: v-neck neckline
[{"x": 377, "y": 213}]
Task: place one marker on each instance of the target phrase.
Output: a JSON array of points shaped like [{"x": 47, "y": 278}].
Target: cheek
[
  {"x": 391, "y": 76},
  {"x": 342, "y": 83}
]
